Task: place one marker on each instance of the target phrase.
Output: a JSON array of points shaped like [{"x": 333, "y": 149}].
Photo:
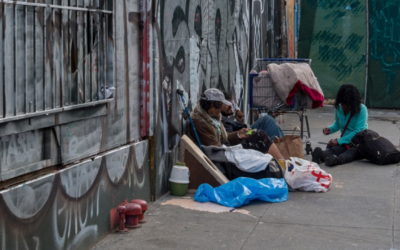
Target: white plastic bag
[
  {"x": 304, "y": 175},
  {"x": 247, "y": 160}
]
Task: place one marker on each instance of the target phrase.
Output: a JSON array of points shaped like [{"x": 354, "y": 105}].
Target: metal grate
[{"x": 54, "y": 56}]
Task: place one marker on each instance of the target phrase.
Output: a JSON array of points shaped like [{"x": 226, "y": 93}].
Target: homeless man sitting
[
  {"x": 206, "y": 118},
  {"x": 266, "y": 123}
]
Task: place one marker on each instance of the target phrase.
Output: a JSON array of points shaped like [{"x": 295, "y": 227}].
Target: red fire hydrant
[
  {"x": 143, "y": 204},
  {"x": 121, "y": 210},
  {"x": 132, "y": 215}
]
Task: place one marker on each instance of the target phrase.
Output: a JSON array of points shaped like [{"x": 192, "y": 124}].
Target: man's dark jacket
[{"x": 231, "y": 125}]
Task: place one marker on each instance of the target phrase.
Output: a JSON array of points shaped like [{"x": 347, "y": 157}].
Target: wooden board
[
  {"x": 198, "y": 173},
  {"x": 290, "y": 26},
  {"x": 202, "y": 170}
]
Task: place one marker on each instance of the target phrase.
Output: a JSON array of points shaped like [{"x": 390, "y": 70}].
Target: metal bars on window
[{"x": 53, "y": 56}]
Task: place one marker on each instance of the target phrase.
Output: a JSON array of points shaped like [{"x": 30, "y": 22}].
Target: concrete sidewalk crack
[
  {"x": 254, "y": 228},
  {"x": 396, "y": 174},
  {"x": 327, "y": 226}
]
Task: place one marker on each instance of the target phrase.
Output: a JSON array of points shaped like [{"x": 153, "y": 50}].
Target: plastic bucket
[
  {"x": 179, "y": 180},
  {"x": 178, "y": 189}
]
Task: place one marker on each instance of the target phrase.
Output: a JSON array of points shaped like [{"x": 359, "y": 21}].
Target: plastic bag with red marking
[{"x": 307, "y": 176}]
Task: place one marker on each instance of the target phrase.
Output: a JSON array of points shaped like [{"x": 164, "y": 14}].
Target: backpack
[{"x": 376, "y": 148}]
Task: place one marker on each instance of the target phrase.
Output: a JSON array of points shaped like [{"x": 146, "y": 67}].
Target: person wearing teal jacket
[{"x": 349, "y": 110}]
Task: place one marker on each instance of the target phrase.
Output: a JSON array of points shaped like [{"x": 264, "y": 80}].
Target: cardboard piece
[
  {"x": 291, "y": 27},
  {"x": 201, "y": 168}
]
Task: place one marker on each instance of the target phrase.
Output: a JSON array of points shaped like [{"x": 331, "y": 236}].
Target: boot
[
  {"x": 317, "y": 155},
  {"x": 331, "y": 159}
]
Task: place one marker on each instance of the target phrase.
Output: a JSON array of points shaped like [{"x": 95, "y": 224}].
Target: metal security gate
[{"x": 54, "y": 56}]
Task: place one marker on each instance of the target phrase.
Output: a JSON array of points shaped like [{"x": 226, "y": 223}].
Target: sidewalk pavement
[{"x": 360, "y": 211}]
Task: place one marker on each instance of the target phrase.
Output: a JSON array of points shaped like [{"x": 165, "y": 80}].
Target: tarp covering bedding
[{"x": 242, "y": 190}]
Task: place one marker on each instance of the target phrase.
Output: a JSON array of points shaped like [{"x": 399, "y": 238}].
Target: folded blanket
[{"x": 289, "y": 78}]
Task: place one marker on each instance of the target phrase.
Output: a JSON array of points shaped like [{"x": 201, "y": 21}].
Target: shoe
[
  {"x": 316, "y": 155},
  {"x": 331, "y": 160}
]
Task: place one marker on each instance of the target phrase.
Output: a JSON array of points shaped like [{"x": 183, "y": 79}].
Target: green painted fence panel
[
  {"x": 333, "y": 35},
  {"x": 383, "y": 88}
]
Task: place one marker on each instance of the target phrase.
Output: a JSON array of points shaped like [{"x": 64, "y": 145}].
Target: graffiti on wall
[
  {"x": 257, "y": 30},
  {"x": 384, "y": 41},
  {"x": 333, "y": 35},
  {"x": 80, "y": 139},
  {"x": 203, "y": 44},
  {"x": 17, "y": 151},
  {"x": 20, "y": 148},
  {"x": 200, "y": 48},
  {"x": 340, "y": 50},
  {"x": 71, "y": 209},
  {"x": 200, "y": 44}
]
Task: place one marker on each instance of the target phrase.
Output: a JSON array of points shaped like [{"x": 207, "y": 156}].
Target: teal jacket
[{"x": 358, "y": 123}]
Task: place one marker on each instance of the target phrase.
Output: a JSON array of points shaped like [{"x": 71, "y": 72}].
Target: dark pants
[
  {"x": 344, "y": 155},
  {"x": 273, "y": 170},
  {"x": 268, "y": 124},
  {"x": 259, "y": 141}
]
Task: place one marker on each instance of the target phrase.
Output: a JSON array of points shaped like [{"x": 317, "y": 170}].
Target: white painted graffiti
[
  {"x": 116, "y": 164},
  {"x": 71, "y": 221},
  {"x": 78, "y": 180},
  {"x": 21, "y": 148},
  {"x": 27, "y": 200}
]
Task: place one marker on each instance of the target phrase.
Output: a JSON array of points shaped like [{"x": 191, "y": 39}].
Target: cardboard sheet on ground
[{"x": 241, "y": 191}]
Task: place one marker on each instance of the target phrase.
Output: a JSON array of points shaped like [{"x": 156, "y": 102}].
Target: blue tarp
[{"x": 242, "y": 190}]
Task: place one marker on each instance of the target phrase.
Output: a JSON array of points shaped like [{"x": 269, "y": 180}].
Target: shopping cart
[{"x": 264, "y": 99}]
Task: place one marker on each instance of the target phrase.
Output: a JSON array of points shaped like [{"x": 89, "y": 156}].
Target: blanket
[{"x": 289, "y": 79}]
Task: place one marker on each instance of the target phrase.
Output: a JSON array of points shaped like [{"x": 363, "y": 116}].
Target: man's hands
[
  {"x": 333, "y": 142},
  {"x": 239, "y": 116},
  {"x": 242, "y": 133},
  {"x": 326, "y": 131}
]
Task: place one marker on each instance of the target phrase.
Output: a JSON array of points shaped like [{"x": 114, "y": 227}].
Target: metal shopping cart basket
[{"x": 264, "y": 99}]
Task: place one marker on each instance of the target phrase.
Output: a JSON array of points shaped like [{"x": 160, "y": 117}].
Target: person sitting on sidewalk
[
  {"x": 351, "y": 117},
  {"x": 266, "y": 123},
  {"x": 206, "y": 118}
]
